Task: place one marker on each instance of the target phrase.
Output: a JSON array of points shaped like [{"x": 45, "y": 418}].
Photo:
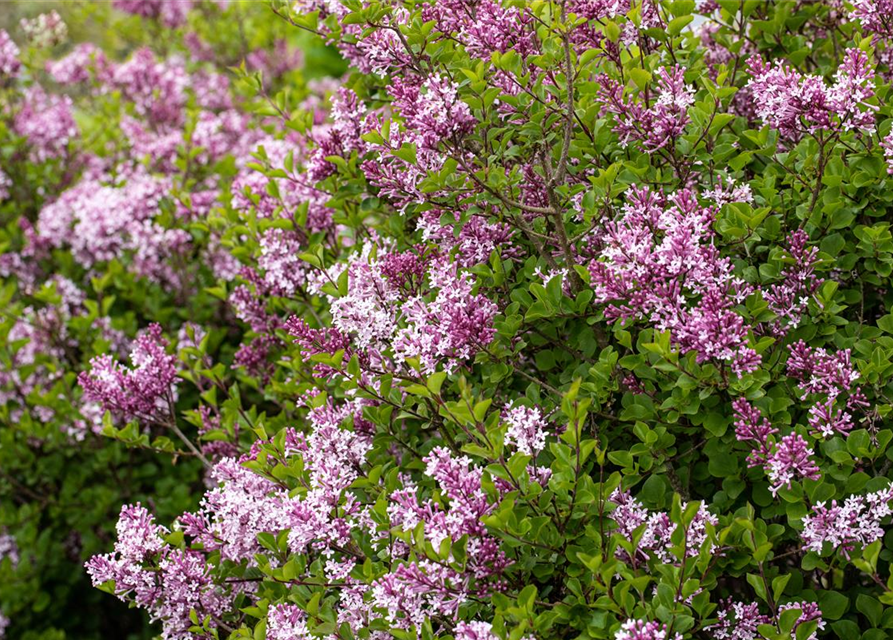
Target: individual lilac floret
[
  {"x": 856, "y": 521},
  {"x": 139, "y": 391},
  {"x": 645, "y": 630},
  {"x": 791, "y": 461},
  {"x": 738, "y": 621}
]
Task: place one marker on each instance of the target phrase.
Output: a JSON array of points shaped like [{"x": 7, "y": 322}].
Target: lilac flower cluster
[
  {"x": 645, "y": 630},
  {"x": 657, "y": 262},
  {"x": 828, "y": 377},
  {"x": 9, "y": 57},
  {"x": 143, "y": 391},
  {"x": 655, "y": 540},
  {"x": 172, "y": 14},
  {"x": 46, "y": 30},
  {"x": 169, "y": 583},
  {"x": 797, "y": 105},
  {"x": 657, "y": 126},
  {"x": 526, "y": 429},
  {"x": 843, "y": 526},
  {"x": 738, "y": 621}
]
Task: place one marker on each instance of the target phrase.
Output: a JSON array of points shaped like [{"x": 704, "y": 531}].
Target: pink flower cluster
[
  {"x": 9, "y": 57},
  {"x": 785, "y": 461},
  {"x": 526, "y": 429},
  {"x": 738, "y": 621},
  {"x": 170, "y": 12},
  {"x": 656, "y": 126},
  {"x": 655, "y": 540},
  {"x": 828, "y": 377},
  {"x": 843, "y": 526},
  {"x": 645, "y": 630},
  {"x": 797, "y": 105},
  {"x": 142, "y": 391},
  {"x": 167, "y": 582},
  {"x": 657, "y": 262}
]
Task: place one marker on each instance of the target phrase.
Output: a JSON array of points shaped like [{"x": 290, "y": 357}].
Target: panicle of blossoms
[
  {"x": 796, "y": 104},
  {"x": 645, "y": 630},
  {"x": 156, "y": 88},
  {"x": 819, "y": 372},
  {"x": 474, "y": 630},
  {"x": 368, "y": 312},
  {"x": 657, "y": 262},
  {"x": 789, "y": 298},
  {"x": 47, "y": 122},
  {"x": 791, "y": 460},
  {"x": 656, "y": 539},
  {"x": 738, "y": 621},
  {"x": 656, "y": 126},
  {"x": 283, "y": 272},
  {"x": 328, "y": 340},
  {"x": 825, "y": 420},
  {"x": 460, "y": 481},
  {"x": 139, "y": 391},
  {"x": 495, "y": 28},
  {"x": 9, "y": 56},
  {"x": 809, "y": 611},
  {"x": 432, "y": 111},
  {"x": 287, "y": 622},
  {"x": 46, "y": 30},
  {"x": 752, "y": 427},
  {"x": 526, "y": 428},
  {"x": 85, "y": 62},
  {"x": 171, "y": 13},
  {"x": 842, "y": 526},
  {"x": 873, "y": 16},
  {"x": 449, "y": 329},
  {"x": 232, "y": 514}
]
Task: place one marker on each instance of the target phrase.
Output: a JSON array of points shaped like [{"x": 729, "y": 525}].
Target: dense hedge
[{"x": 543, "y": 320}]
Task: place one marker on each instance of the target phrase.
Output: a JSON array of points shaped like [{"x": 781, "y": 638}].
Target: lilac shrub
[{"x": 541, "y": 320}]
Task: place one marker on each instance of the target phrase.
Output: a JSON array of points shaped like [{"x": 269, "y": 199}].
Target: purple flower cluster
[
  {"x": 658, "y": 263},
  {"x": 171, "y": 13},
  {"x": 46, "y": 30},
  {"x": 828, "y": 377},
  {"x": 9, "y": 57},
  {"x": 789, "y": 298},
  {"x": 656, "y": 126},
  {"x": 526, "y": 429},
  {"x": 656, "y": 541},
  {"x": 140, "y": 391},
  {"x": 645, "y": 630},
  {"x": 47, "y": 122},
  {"x": 738, "y": 621},
  {"x": 843, "y": 526},
  {"x": 791, "y": 460},
  {"x": 796, "y": 105},
  {"x": 169, "y": 583}
]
